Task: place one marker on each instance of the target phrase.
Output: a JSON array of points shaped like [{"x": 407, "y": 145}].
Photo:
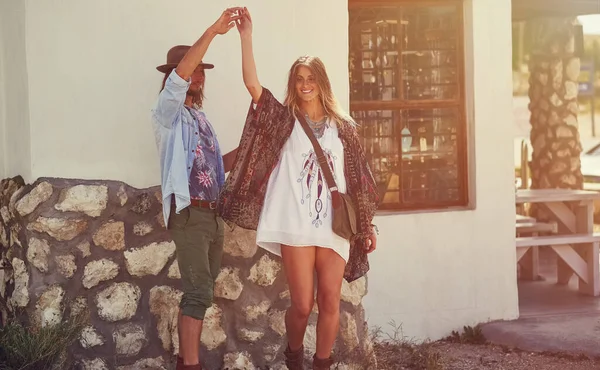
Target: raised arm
[
  {"x": 248, "y": 66},
  {"x": 172, "y": 97},
  {"x": 194, "y": 56}
]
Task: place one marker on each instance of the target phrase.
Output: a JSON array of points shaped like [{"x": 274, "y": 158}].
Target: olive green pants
[{"x": 198, "y": 236}]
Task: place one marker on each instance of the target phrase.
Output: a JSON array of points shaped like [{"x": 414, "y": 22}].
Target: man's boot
[
  {"x": 322, "y": 364},
  {"x": 294, "y": 360}
]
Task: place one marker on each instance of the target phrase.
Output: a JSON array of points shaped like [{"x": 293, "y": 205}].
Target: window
[{"x": 407, "y": 95}]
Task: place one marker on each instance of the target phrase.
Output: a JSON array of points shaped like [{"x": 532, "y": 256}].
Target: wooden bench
[
  {"x": 583, "y": 261},
  {"x": 536, "y": 227},
  {"x": 523, "y": 219},
  {"x": 529, "y": 265}
]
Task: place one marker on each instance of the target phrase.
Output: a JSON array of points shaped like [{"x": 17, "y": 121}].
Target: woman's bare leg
[
  {"x": 330, "y": 273},
  {"x": 299, "y": 266}
]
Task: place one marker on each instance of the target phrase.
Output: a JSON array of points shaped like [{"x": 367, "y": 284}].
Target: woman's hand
[
  {"x": 228, "y": 19},
  {"x": 371, "y": 242},
  {"x": 244, "y": 26}
]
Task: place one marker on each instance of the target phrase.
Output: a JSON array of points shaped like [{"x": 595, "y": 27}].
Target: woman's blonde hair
[{"x": 328, "y": 100}]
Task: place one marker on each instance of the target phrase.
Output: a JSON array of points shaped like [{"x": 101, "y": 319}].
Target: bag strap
[{"x": 320, "y": 155}]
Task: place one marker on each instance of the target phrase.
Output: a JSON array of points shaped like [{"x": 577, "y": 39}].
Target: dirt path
[{"x": 458, "y": 356}]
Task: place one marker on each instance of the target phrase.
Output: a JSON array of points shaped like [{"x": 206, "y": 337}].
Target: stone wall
[{"x": 69, "y": 245}]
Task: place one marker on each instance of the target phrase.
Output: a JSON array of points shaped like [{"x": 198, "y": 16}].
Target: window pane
[
  {"x": 379, "y": 131},
  {"x": 429, "y": 65},
  {"x": 406, "y": 53},
  {"x": 429, "y": 169},
  {"x": 413, "y": 155},
  {"x": 374, "y": 54}
]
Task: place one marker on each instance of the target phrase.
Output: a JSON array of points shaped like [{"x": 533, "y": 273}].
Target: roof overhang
[{"x": 526, "y": 9}]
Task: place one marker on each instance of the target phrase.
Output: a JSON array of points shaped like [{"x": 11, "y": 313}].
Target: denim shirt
[{"x": 176, "y": 132}]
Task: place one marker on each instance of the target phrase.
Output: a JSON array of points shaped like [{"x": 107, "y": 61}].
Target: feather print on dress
[{"x": 316, "y": 197}]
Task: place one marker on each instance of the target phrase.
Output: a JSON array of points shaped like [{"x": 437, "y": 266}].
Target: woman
[{"x": 278, "y": 189}]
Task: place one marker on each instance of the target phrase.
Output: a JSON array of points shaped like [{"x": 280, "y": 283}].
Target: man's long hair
[{"x": 198, "y": 98}]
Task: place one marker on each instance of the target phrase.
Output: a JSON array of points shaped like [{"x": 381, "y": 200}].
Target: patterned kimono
[{"x": 266, "y": 131}]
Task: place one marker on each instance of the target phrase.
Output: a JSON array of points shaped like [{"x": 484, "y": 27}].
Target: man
[{"x": 192, "y": 172}]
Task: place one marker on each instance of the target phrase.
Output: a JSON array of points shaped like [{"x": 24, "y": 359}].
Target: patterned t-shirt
[{"x": 207, "y": 171}]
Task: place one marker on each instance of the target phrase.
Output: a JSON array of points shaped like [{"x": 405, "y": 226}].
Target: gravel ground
[{"x": 458, "y": 356}]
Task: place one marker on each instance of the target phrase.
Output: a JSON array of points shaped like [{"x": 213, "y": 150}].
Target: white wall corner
[{"x": 14, "y": 91}]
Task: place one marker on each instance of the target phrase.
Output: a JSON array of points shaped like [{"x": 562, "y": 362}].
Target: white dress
[{"x": 297, "y": 207}]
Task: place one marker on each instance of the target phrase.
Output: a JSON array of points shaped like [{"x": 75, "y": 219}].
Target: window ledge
[{"x": 421, "y": 211}]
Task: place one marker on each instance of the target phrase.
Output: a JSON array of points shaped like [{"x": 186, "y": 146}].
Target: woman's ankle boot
[
  {"x": 294, "y": 360},
  {"x": 322, "y": 364}
]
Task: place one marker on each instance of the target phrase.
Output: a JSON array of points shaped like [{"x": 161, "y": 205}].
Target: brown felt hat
[{"x": 175, "y": 55}]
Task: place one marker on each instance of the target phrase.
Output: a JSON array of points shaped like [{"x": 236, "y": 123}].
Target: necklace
[{"x": 317, "y": 127}]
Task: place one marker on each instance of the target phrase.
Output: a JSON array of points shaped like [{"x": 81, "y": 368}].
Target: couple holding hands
[{"x": 295, "y": 161}]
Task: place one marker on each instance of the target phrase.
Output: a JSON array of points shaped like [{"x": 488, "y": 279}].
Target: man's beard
[{"x": 197, "y": 96}]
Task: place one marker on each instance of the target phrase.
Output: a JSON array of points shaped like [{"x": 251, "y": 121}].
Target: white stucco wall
[
  {"x": 435, "y": 272},
  {"x": 92, "y": 83},
  {"x": 92, "y": 77},
  {"x": 14, "y": 117}
]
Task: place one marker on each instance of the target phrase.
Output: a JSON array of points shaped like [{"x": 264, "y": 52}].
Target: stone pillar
[
  {"x": 553, "y": 104},
  {"x": 553, "y": 90}
]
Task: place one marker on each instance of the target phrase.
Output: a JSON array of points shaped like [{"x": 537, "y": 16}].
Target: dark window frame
[{"x": 401, "y": 106}]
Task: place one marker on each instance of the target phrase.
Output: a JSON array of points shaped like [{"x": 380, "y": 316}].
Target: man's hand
[
  {"x": 194, "y": 56},
  {"x": 244, "y": 26},
  {"x": 227, "y": 20}
]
